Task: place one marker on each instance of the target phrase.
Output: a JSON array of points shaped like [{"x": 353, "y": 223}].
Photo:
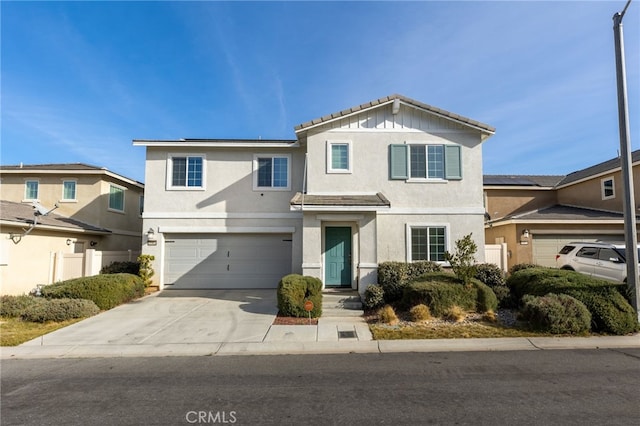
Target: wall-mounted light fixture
[
  {"x": 93, "y": 243},
  {"x": 525, "y": 233},
  {"x": 69, "y": 241},
  {"x": 151, "y": 237}
]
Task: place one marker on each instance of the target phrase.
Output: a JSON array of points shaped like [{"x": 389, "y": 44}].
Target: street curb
[{"x": 322, "y": 347}]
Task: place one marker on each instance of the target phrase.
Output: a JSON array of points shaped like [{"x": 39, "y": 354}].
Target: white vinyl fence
[
  {"x": 496, "y": 254},
  {"x": 65, "y": 266}
]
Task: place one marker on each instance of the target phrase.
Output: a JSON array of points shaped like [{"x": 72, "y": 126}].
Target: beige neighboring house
[
  {"x": 97, "y": 209},
  {"x": 390, "y": 180},
  {"x": 537, "y": 215}
]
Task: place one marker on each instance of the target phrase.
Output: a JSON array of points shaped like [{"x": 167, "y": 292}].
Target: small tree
[
  {"x": 462, "y": 260},
  {"x": 146, "y": 271}
]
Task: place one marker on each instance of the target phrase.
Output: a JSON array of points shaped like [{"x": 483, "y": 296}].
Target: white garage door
[
  {"x": 226, "y": 261},
  {"x": 545, "y": 247}
]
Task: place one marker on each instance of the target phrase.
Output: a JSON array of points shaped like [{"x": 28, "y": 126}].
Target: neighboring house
[
  {"x": 390, "y": 180},
  {"x": 29, "y": 260},
  {"x": 97, "y": 209},
  {"x": 537, "y": 215}
]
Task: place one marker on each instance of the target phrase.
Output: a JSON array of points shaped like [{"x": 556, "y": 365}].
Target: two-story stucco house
[
  {"x": 97, "y": 209},
  {"x": 537, "y": 215},
  {"x": 390, "y": 180}
]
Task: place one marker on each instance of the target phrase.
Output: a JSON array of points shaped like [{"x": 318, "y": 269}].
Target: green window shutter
[
  {"x": 398, "y": 162},
  {"x": 453, "y": 162}
]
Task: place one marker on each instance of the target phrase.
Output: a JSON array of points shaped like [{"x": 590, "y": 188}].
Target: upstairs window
[
  {"x": 271, "y": 172},
  {"x": 338, "y": 157},
  {"x": 31, "y": 189},
  {"x": 425, "y": 162},
  {"x": 69, "y": 190},
  {"x": 186, "y": 172},
  {"x": 116, "y": 198},
  {"x": 608, "y": 188}
]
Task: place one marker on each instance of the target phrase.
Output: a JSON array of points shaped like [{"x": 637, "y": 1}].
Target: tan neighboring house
[
  {"x": 389, "y": 180},
  {"x": 97, "y": 210},
  {"x": 537, "y": 215}
]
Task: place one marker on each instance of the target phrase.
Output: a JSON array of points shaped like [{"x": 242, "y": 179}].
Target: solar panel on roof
[{"x": 508, "y": 180}]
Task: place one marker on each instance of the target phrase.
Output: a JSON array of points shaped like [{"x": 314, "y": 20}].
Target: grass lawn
[{"x": 14, "y": 331}]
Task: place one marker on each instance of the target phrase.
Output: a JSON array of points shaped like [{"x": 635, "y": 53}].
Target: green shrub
[
  {"x": 490, "y": 274},
  {"x": 294, "y": 290},
  {"x": 59, "y": 310},
  {"x": 556, "y": 313},
  {"x": 520, "y": 266},
  {"x": 394, "y": 276},
  {"x": 121, "y": 268},
  {"x": 486, "y": 299},
  {"x": 462, "y": 261},
  {"x": 146, "y": 271},
  {"x": 439, "y": 296},
  {"x": 106, "y": 291},
  {"x": 440, "y": 291},
  {"x": 13, "y": 306},
  {"x": 373, "y": 296},
  {"x": 610, "y": 311}
]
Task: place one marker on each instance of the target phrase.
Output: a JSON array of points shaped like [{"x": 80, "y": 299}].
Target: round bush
[
  {"x": 521, "y": 266},
  {"x": 556, "y": 313},
  {"x": 59, "y": 310},
  {"x": 13, "y": 306},
  {"x": 394, "y": 276},
  {"x": 294, "y": 290},
  {"x": 373, "y": 296},
  {"x": 490, "y": 274}
]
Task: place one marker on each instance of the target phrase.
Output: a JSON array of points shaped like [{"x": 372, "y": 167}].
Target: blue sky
[{"x": 81, "y": 80}]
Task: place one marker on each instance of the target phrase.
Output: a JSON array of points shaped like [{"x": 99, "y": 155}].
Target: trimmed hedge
[
  {"x": 394, "y": 276},
  {"x": 106, "y": 291},
  {"x": 45, "y": 310},
  {"x": 441, "y": 291},
  {"x": 13, "y": 306},
  {"x": 610, "y": 311},
  {"x": 374, "y": 296},
  {"x": 294, "y": 290},
  {"x": 556, "y": 313}
]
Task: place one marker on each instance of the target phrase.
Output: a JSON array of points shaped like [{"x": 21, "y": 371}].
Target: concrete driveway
[{"x": 175, "y": 317}]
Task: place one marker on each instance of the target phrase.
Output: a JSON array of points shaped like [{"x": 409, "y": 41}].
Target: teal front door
[{"x": 337, "y": 256}]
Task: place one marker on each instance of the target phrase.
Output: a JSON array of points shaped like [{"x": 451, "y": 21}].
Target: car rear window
[
  {"x": 590, "y": 252},
  {"x": 566, "y": 249}
]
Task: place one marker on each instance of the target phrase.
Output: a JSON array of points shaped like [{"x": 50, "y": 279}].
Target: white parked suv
[{"x": 599, "y": 260}]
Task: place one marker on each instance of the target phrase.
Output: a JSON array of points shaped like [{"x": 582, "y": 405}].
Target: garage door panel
[
  {"x": 545, "y": 247},
  {"x": 227, "y": 260}
]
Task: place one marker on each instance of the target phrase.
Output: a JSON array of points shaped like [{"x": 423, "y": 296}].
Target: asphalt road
[{"x": 559, "y": 387}]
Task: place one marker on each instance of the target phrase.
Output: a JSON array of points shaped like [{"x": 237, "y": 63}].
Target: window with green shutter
[{"x": 425, "y": 161}]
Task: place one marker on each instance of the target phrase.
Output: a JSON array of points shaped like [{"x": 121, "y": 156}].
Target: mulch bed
[{"x": 282, "y": 320}]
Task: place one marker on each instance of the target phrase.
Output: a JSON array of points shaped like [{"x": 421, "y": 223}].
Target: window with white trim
[
  {"x": 69, "y": 190},
  {"x": 339, "y": 156},
  {"x": 31, "y": 189},
  {"x": 608, "y": 188},
  {"x": 186, "y": 172},
  {"x": 427, "y": 243},
  {"x": 271, "y": 172},
  {"x": 412, "y": 161},
  {"x": 116, "y": 198}
]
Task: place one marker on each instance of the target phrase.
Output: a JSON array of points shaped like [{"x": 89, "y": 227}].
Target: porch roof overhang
[{"x": 339, "y": 202}]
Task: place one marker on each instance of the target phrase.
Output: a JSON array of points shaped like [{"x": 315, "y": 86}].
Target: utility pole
[{"x": 630, "y": 235}]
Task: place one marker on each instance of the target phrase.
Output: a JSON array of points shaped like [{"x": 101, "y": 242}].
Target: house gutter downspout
[{"x": 630, "y": 230}]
